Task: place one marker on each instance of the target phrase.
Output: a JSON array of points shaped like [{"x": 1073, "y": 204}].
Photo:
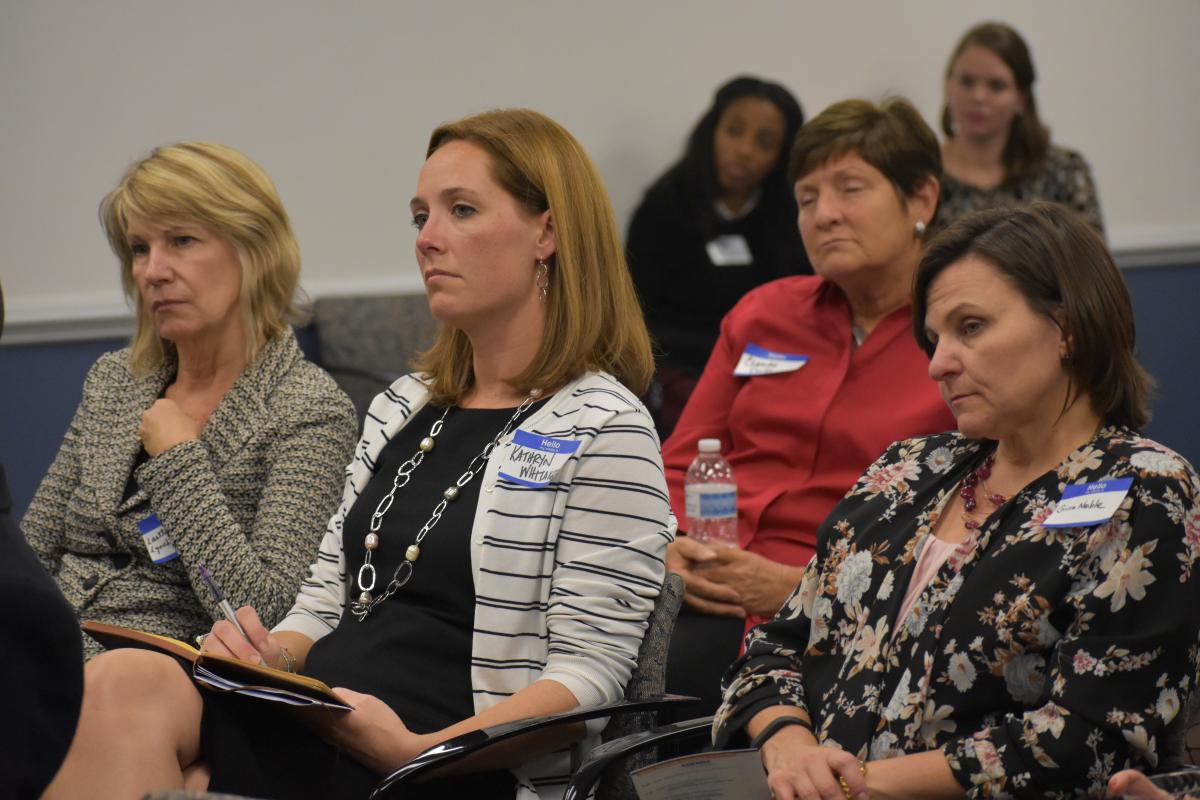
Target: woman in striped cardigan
[{"x": 500, "y": 541}]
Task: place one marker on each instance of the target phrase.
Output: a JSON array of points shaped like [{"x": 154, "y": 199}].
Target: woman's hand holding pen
[{"x": 258, "y": 646}]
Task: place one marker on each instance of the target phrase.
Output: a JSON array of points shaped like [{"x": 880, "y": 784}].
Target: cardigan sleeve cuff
[{"x": 304, "y": 624}]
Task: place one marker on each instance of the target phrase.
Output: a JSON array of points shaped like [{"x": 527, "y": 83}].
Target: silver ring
[{"x": 200, "y": 639}]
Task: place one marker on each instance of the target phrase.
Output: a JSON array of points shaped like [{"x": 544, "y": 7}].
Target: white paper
[{"x": 725, "y": 775}]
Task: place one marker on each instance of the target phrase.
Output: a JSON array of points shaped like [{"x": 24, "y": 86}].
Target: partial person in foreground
[
  {"x": 211, "y": 439},
  {"x": 961, "y": 630},
  {"x": 500, "y": 542},
  {"x": 719, "y": 222},
  {"x": 997, "y": 151},
  {"x": 42, "y": 666},
  {"x": 799, "y": 429}
]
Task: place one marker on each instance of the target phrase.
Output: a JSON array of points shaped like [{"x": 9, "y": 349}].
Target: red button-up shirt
[{"x": 797, "y": 441}]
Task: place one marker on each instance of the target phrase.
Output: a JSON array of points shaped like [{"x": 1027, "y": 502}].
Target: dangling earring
[
  {"x": 542, "y": 278},
  {"x": 919, "y": 228}
]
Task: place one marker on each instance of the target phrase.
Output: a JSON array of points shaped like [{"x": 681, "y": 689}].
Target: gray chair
[
  {"x": 644, "y": 697},
  {"x": 367, "y": 342}
]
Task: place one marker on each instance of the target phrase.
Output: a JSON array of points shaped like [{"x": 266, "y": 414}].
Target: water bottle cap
[{"x": 710, "y": 445}]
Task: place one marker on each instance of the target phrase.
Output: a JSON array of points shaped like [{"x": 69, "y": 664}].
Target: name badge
[
  {"x": 729, "y": 251},
  {"x": 756, "y": 360},
  {"x": 155, "y": 538},
  {"x": 1087, "y": 504},
  {"x": 534, "y": 460}
]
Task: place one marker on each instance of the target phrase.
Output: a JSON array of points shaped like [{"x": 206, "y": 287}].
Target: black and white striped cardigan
[{"x": 565, "y": 575}]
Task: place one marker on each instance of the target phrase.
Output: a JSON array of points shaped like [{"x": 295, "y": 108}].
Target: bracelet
[
  {"x": 862, "y": 767},
  {"x": 774, "y": 726},
  {"x": 289, "y": 662}
]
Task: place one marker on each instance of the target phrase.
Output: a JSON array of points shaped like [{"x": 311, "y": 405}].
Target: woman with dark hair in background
[
  {"x": 721, "y": 221},
  {"x": 997, "y": 150}
]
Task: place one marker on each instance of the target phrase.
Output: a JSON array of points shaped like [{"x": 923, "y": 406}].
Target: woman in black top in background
[{"x": 721, "y": 221}]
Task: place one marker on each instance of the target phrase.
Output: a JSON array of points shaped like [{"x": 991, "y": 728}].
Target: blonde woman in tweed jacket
[
  {"x": 449, "y": 599},
  {"x": 210, "y": 440}
]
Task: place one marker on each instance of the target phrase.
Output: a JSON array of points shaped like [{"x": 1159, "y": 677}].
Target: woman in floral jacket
[{"x": 968, "y": 626}]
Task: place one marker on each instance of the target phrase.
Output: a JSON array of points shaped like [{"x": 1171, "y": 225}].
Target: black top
[
  {"x": 41, "y": 668},
  {"x": 684, "y": 295},
  {"x": 413, "y": 650}
]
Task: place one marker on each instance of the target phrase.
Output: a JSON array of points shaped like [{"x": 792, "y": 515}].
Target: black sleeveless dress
[{"x": 413, "y": 651}]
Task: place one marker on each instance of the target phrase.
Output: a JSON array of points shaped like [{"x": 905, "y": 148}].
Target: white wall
[{"x": 336, "y": 100}]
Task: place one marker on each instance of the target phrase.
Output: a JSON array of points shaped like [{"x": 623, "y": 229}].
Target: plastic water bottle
[{"x": 710, "y": 494}]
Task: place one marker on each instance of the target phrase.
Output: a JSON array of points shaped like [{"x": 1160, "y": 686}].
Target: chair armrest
[
  {"x": 453, "y": 753},
  {"x": 601, "y": 758}
]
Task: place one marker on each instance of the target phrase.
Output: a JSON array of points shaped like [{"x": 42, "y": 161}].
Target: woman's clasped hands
[
  {"x": 800, "y": 769},
  {"x": 729, "y": 581}
]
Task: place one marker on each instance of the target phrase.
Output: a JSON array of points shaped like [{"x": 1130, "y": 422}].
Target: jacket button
[{"x": 90, "y": 582}]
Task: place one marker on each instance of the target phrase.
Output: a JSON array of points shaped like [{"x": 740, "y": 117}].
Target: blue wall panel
[
  {"x": 40, "y": 384},
  {"x": 1166, "y": 301}
]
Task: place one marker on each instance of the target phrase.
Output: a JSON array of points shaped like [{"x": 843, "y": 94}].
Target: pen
[{"x": 219, "y": 596}]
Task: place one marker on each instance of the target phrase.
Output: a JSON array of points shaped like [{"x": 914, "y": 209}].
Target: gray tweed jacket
[{"x": 249, "y": 498}]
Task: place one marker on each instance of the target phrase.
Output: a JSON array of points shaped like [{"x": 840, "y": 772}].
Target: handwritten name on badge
[
  {"x": 155, "y": 538},
  {"x": 1087, "y": 504},
  {"x": 534, "y": 460},
  {"x": 757, "y": 360}
]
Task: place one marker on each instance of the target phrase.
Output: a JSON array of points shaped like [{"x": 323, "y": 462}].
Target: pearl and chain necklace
[
  {"x": 366, "y": 573},
  {"x": 976, "y": 479}
]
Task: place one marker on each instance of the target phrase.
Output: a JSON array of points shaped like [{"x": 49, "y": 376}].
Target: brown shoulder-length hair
[
  {"x": 593, "y": 318},
  {"x": 222, "y": 189},
  {"x": 1028, "y": 139},
  {"x": 1062, "y": 268},
  {"x": 892, "y": 137}
]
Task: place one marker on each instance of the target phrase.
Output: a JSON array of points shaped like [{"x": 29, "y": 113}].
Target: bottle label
[{"x": 711, "y": 501}]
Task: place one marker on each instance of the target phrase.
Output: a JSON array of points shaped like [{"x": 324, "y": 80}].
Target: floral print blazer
[{"x": 1040, "y": 660}]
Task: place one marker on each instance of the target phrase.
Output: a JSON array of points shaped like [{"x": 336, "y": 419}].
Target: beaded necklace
[
  {"x": 366, "y": 573},
  {"x": 974, "y": 479}
]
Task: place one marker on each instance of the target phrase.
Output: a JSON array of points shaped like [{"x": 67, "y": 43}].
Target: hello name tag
[
  {"x": 534, "y": 460},
  {"x": 1088, "y": 503},
  {"x": 756, "y": 360},
  {"x": 155, "y": 538},
  {"x": 729, "y": 251}
]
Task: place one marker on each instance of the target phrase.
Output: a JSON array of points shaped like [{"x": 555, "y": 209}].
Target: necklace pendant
[
  {"x": 412, "y": 553},
  {"x": 426, "y": 444},
  {"x": 364, "y": 599},
  {"x": 451, "y": 494}
]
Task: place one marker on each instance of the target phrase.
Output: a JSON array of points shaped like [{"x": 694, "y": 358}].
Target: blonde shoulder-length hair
[
  {"x": 222, "y": 189},
  {"x": 593, "y": 318}
]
